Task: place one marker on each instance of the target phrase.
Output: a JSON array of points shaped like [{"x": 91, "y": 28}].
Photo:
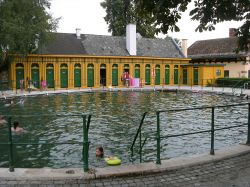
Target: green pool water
[{"x": 115, "y": 119}]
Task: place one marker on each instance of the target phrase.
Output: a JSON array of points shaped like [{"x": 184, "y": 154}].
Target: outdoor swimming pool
[{"x": 115, "y": 120}]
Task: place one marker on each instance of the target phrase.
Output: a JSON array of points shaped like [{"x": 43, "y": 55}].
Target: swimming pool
[{"x": 115, "y": 119}]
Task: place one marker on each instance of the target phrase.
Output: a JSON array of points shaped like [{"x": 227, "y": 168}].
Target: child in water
[
  {"x": 110, "y": 160},
  {"x": 99, "y": 152}
]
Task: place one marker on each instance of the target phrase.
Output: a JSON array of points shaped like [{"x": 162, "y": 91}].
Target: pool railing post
[
  {"x": 248, "y": 126},
  {"x": 223, "y": 85},
  {"x": 212, "y": 133},
  {"x": 85, "y": 146},
  {"x": 11, "y": 167},
  {"x": 158, "y": 139},
  {"x": 140, "y": 146}
]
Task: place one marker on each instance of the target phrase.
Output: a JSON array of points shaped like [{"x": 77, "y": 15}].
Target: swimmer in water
[
  {"x": 99, "y": 152},
  {"x": 2, "y": 120},
  {"x": 16, "y": 127}
]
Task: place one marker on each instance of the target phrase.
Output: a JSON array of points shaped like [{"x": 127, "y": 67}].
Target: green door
[
  {"x": 196, "y": 76},
  {"x": 77, "y": 76},
  {"x": 167, "y": 74},
  {"x": 90, "y": 75},
  {"x": 185, "y": 76},
  {"x": 147, "y": 74},
  {"x": 64, "y": 77},
  {"x": 115, "y": 75},
  {"x": 35, "y": 76},
  {"x": 176, "y": 75},
  {"x": 157, "y": 75},
  {"x": 19, "y": 76},
  {"x": 137, "y": 71},
  {"x": 50, "y": 76}
]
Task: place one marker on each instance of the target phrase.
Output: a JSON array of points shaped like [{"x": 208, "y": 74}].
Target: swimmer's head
[{"x": 99, "y": 152}]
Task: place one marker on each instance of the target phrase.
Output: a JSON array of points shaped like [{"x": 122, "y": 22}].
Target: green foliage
[
  {"x": 25, "y": 24},
  {"x": 166, "y": 13},
  {"x": 154, "y": 16},
  {"x": 122, "y": 12},
  {"x": 231, "y": 82},
  {"x": 209, "y": 13}
]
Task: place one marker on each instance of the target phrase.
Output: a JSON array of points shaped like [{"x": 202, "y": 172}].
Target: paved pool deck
[
  {"x": 229, "y": 167},
  {"x": 220, "y": 90}
]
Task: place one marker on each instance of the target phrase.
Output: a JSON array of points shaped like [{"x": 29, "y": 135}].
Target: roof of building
[
  {"x": 99, "y": 45},
  {"x": 215, "y": 48}
]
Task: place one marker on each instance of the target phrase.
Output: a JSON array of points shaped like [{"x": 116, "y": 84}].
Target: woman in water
[{"x": 16, "y": 127}]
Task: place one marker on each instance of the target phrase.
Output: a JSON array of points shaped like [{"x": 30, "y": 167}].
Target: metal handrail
[
  {"x": 212, "y": 130},
  {"x": 200, "y": 132},
  {"x": 85, "y": 143},
  {"x": 236, "y": 86},
  {"x": 135, "y": 138},
  {"x": 202, "y": 107}
]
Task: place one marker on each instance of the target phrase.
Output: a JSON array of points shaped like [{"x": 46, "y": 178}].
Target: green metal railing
[
  {"x": 212, "y": 130},
  {"x": 141, "y": 144},
  {"x": 86, "y": 123}
]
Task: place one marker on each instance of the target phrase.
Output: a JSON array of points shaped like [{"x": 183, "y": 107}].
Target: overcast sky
[{"x": 88, "y": 15}]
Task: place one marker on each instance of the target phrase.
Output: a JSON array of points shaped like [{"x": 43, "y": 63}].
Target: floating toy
[{"x": 112, "y": 161}]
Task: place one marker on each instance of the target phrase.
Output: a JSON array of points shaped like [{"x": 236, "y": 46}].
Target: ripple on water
[{"x": 115, "y": 119}]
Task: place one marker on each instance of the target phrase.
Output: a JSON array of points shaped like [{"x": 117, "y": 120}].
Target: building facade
[
  {"x": 222, "y": 51},
  {"x": 91, "y": 61}
]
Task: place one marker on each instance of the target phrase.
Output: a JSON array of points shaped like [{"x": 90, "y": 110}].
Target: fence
[
  {"x": 212, "y": 130},
  {"x": 86, "y": 124}
]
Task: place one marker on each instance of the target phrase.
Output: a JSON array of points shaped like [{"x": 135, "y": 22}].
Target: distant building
[
  {"x": 85, "y": 61},
  {"x": 221, "y": 50}
]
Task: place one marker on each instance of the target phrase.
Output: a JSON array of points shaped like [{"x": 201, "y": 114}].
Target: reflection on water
[{"x": 115, "y": 119}]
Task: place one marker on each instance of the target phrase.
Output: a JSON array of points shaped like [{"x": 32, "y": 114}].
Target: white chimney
[
  {"x": 131, "y": 38},
  {"x": 78, "y": 33},
  {"x": 184, "y": 47}
]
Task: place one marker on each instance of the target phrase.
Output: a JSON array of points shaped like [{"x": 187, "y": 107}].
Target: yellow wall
[{"x": 97, "y": 61}]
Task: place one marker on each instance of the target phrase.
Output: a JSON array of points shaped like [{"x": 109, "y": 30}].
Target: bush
[{"x": 232, "y": 82}]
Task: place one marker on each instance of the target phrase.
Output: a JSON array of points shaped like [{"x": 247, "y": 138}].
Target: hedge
[{"x": 232, "y": 82}]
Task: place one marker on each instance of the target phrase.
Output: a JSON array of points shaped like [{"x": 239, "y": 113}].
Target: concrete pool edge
[
  {"x": 218, "y": 90},
  {"x": 70, "y": 174}
]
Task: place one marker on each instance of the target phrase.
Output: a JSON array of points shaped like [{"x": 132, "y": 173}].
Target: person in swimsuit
[{"x": 16, "y": 127}]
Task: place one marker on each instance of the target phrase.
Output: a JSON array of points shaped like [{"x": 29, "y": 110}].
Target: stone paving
[{"x": 227, "y": 168}]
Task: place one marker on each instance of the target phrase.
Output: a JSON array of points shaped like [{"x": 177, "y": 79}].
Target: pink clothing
[{"x": 43, "y": 84}]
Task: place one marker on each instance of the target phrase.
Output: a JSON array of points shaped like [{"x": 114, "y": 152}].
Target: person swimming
[
  {"x": 2, "y": 120},
  {"x": 11, "y": 102},
  {"x": 99, "y": 152},
  {"x": 16, "y": 127}
]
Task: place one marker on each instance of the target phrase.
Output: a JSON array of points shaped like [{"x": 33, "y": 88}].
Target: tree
[
  {"x": 122, "y": 12},
  {"x": 155, "y": 16},
  {"x": 24, "y": 25},
  {"x": 208, "y": 13}
]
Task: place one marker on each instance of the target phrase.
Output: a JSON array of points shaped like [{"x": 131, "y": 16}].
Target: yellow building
[
  {"x": 86, "y": 61},
  {"x": 222, "y": 50}
]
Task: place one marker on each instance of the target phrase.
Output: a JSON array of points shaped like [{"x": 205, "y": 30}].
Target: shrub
[{"x": 232, "y": 82}]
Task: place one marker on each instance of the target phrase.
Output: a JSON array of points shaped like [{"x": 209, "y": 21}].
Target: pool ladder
[{"x": 141, "y": 144}]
